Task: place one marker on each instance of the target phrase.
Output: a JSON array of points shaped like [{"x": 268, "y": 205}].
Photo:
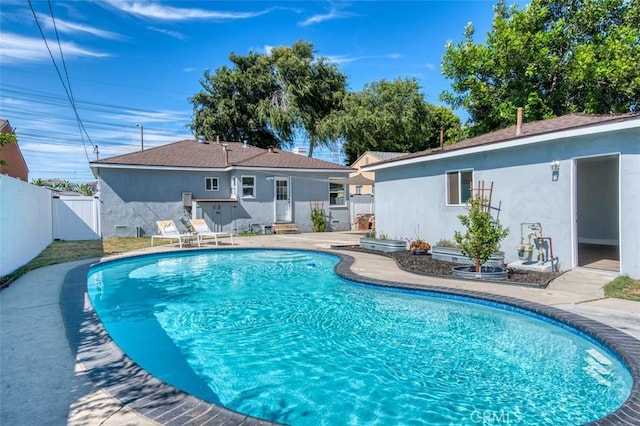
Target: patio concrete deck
[{"x": 44, "y": 383}]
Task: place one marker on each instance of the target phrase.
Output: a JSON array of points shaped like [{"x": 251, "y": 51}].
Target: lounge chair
[
  {"x": 168, "y": 230},
  {"x": 202, "y": 231}
]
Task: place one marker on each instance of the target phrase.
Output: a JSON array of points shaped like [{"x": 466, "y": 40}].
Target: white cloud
[
  {"x": 430, "y": 67},
  {"x": 167, "y": 13},
  {"x": 73, "y": 28},
  {"x": 344, "y": 59},
  {"x": 16, "y": 48},
  {"x": 170, "y": 33},
  {"x": 147, "y": 116},
  {"x": 333, "y": 14}
]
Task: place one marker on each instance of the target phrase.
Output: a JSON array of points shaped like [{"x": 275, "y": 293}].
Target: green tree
[
  {"x": 269, "y": 98},
  {"x": 310, "y": 89},
  {"x": 483, "y": 235},
  {"x": 83, "y": 188},
  {"x": 228, "y": 104},
  {"x": 390, "y": 116},
  {"x": 552, "y": 58},
  {"x": 6, "y": 139},
  {"x": 39, "y": 182}
]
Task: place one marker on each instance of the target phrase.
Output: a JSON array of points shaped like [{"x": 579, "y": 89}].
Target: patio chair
[
  {"x": 168, "y": 230},
  {"x": 202, "y": 231}
]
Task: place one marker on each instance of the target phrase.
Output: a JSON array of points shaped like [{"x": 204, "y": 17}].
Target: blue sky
[{"x": 130, "y": 62}]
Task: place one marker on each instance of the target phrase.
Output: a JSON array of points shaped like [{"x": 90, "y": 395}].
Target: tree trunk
[{"x": 312, "y": 143}]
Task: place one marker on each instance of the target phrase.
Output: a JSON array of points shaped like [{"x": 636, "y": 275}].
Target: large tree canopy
[
  {"x": 228, "y": 104},
  {"x": 310, "y": 89},
  {"x": 390, "y": 116},
  {"x": 269, "y": 98},
  {"x": 552, "y": 58}
]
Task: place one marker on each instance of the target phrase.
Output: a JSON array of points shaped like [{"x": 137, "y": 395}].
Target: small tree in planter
[{"x": 483, "y": 234}]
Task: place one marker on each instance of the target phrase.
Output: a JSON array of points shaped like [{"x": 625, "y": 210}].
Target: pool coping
[{"x": 111, "y": 370}]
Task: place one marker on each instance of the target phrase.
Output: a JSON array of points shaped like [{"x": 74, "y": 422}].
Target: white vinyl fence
[
  {"x": 31, "y": 217},
  {"x": 25, "y": 222},
  {"x": 76, "y": 218}
]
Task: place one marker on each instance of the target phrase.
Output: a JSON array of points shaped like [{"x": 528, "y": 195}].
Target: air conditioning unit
[{"x": 186, "y": 199}]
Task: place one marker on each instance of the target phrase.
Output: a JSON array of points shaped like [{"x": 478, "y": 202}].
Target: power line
[
  {"x": 69, "y": 96},
  {"x": 41, "y": 97}
]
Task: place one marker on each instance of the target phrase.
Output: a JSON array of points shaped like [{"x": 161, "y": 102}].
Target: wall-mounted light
[
  {"x": 269, "y": 178},
  {"x": 555, "y": 170}
]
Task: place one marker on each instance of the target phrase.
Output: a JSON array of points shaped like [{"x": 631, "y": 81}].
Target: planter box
[
  {"x": 486, "y": 273},
  {"x": 386, "y": 246},
  {"x": 454, "y": 255}
]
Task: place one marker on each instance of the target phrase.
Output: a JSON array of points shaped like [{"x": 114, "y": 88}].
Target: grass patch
[
  {"x": 623, "y": 287},
  {"x": 68, "y": 251}
]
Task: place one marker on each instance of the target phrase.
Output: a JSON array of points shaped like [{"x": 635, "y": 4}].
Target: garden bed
[{"x": 426, "y": 265}]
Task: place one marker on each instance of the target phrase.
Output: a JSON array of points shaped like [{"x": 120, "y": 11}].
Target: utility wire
[
  {"x": 66, "y": 73},
  {"x": 35, "y": 17}
]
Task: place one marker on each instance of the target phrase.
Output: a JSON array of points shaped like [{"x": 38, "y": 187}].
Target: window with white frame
[
  {"x": 248, "y": 186},
  {"x": 234, "y": 187},
  {"x": 211, "y": 184},
  {"x": 459, "y": 187},
  {"x": 336, "y": 194}
]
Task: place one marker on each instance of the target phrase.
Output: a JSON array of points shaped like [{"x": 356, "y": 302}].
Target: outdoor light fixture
[
  {"x": 269, "y": 178},
  {"x": 555, "y": 170}
]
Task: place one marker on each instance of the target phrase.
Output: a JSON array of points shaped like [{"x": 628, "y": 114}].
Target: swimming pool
[{"x": 294, "y": 343}]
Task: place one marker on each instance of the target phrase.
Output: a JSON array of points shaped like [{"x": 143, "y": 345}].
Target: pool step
[{"x": 285, "y": 228}]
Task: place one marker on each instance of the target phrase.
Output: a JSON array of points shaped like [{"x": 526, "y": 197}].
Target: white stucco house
[{"x": 578, "y": 176}]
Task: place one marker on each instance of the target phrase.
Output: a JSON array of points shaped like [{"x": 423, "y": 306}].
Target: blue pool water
[{"x": 276, "y": 334}]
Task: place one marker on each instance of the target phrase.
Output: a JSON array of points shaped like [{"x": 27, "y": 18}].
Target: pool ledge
[{"x": 114, "y": 372}]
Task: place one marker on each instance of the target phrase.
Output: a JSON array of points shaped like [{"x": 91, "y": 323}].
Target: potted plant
[
  {"x": 483, "y": 234},
  {"x": 419, "y": 246}
]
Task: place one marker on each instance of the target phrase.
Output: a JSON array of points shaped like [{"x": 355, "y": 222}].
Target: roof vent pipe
[
  {"x": 519, "y": 122},
  {"x": 244, "y": 143},
  {"x": 217, "y": 138},
  {"x": 270, "y": 148},
  {"x": 226, "y": 153}
]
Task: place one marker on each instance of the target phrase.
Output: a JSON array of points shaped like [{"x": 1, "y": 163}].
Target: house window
[
  {"x": 336, "y": 194},
  {"x": 358, "y": 189},
  {"x": 211, "y": 184},
  {"x": 459, "y": 187},
  {"x": 248, "y": 186},
  {"x": 234, "y": 187}
]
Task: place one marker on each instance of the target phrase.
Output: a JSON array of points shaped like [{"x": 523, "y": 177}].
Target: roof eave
[
  {"x": 97, "y": 165},
  {"x": 510, "y": 143}
]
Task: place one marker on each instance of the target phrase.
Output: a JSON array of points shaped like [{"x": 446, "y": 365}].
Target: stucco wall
[
  {"x": 411, "y": 200},
  {"x": 135, "y": 199}
]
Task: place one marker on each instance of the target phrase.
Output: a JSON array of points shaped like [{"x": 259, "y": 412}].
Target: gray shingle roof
[
  {"x": 382, "y": 155},
  {"x": 191, "y": 153},
  {"x": 565, "y": 122}
]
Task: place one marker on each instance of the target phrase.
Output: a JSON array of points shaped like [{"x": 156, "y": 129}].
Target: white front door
[{"x": 282, "y": 199}]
